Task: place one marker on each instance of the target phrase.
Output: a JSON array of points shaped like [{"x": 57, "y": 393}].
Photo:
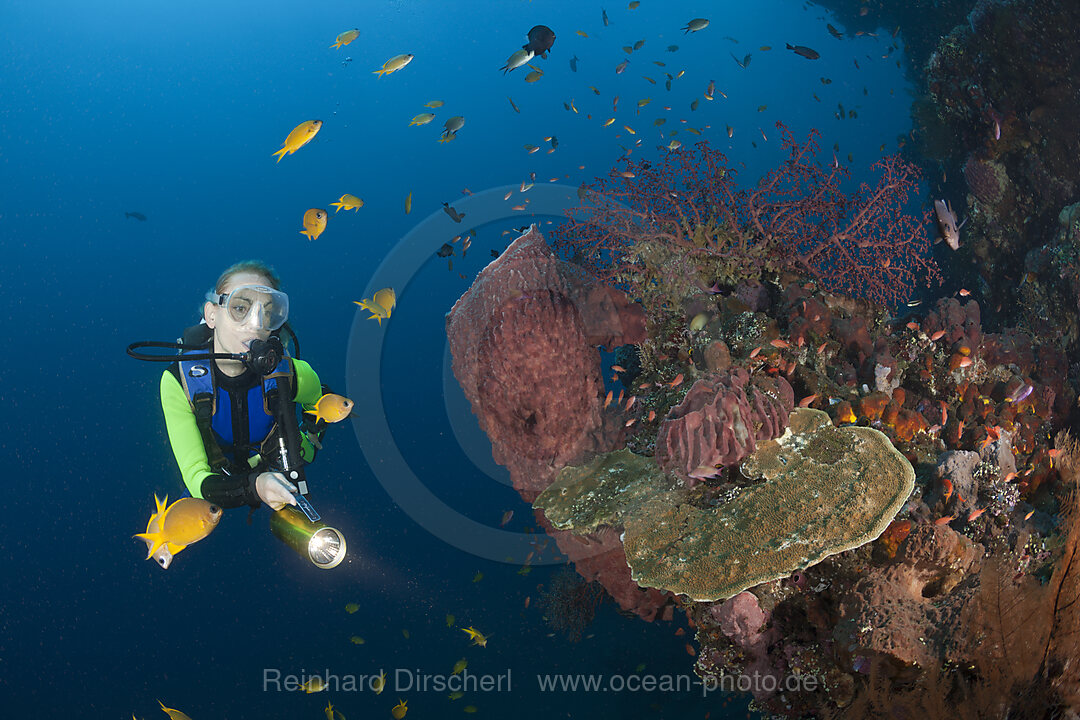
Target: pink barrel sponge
[
  {"x": 523, "y": 339},
  {"x": 720, "y": 422}
]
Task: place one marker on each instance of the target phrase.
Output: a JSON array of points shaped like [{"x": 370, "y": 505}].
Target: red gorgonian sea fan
[{"x": 795, "y": 219}]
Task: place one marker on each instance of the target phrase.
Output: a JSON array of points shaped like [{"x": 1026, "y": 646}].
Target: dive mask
[{"x": 271, "y": 306}]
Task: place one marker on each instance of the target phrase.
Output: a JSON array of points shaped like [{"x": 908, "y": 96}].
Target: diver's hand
[{"x": 275, "y": 490}]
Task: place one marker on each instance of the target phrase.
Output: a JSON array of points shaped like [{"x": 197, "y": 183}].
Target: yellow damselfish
[
  {"x": 332, "y": 408},
  {"x": 381, "y": 305},
  {"x": 314, "y": 684},
  {"x": 478, "y": 638},
  {"x": 394, "y": 64},
  {"x": 314, "y": 223},
  {"x": 300, "y": 136},
  {"x": 344, "y": 39},
  {"x": 399, "y": 710},
  {"x": 173, "y": 714},
  {"x": 186, "y": 521},
  {"x": 349, "y": 202}
]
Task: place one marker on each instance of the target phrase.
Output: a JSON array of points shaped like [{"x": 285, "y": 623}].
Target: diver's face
[{"x": 231, "y": 336}]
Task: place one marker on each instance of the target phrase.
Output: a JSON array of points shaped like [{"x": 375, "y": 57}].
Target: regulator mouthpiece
[{"x": 323, "y": 545}]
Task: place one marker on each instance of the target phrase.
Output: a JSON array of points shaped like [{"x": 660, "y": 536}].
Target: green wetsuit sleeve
[
  {"x": 308, "y": 392},
  {"x": 184, "y": 436},
  {"x": 308, "y": 386}
]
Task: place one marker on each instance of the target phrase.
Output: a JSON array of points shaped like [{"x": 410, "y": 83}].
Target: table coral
[
  {"x": 826, "y": 490},
  {"x": 602, "y": 492}
]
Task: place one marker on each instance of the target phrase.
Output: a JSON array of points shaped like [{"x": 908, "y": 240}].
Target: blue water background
[{"x": 174, "y": 110}]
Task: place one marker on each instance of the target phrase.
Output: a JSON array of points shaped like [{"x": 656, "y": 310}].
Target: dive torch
[{"x": 299, "y": 526}]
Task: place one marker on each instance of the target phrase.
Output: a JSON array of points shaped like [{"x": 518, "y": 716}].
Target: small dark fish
[
  {"x": 672, "y": 48},
  {"x": 621, "y": 66},
  {"x": 667, "y": 83},
  {"x": 494, "y": 253},
  {"x": 554, "y": 141},
  {"x": 808, "y": 53},
  {"x": 834, "y": 32},
  {"x": 742, "y": 63},
  {"x": 137, "y": 215},
  {"x": 445, "y": 251},
  {"x": 581, "y": 191},
  {"x": 512, "y": 104},
  {"x": 639, "y": 44},
  {"x": 454, "y": 214},
  {"x": 603, "y": 14},
  {"x": 541, "y": 38},
  {"x": 573, "y": 64}
]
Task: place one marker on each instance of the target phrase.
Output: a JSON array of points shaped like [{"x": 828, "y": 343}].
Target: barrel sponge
[{"x": 824, "y": 490}]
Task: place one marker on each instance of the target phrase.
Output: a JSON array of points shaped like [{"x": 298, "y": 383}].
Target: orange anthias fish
[
  {"x": 314, "y": 223},
  {"x": 300, "y": 136},
  {"x": 331, "y": 408},
  {"x": 174, "y": 527}
]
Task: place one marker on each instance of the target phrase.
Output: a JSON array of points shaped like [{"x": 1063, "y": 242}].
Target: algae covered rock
[
  {"x": 825, "y": 490},
  {"x": 603, "y": 492}
]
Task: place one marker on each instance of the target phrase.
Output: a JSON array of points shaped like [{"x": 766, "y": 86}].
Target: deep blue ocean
[{"x": 174, "y": 110}]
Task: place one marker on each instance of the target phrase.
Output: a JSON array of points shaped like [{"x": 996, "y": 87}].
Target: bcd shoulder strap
[{"x": 197, "y": 379}]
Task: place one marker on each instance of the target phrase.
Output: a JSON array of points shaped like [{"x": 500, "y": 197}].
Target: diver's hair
[{"x": 257, "y": 267}]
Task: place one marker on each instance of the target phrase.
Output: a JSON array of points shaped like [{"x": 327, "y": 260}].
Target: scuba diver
[
  {"x": 230, "y": 400},
  {"x": 220, "y": 417}
]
